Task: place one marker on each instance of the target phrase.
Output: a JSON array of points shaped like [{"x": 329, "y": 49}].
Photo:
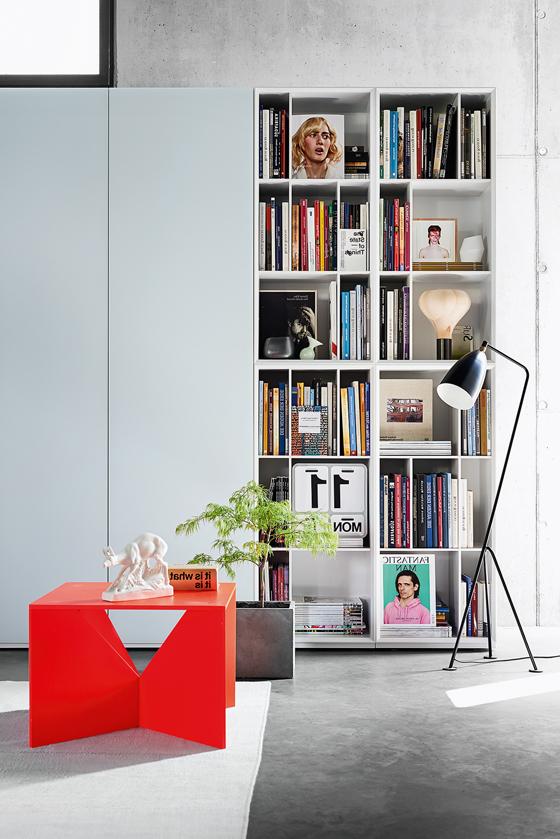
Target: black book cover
[
  {"x": 446, "y": 139},
  {"x": 468, "y": 170},
  {"x": 400, "y": 341},
  {"x": 287, "y": 314},
  {"x": 421, "y": 512},
  {"x": 276, "y": 144},
  {"x": 391, "y": 511},
  {"x": 430, "y": 143},
  {"x": 407, "y": 149}
]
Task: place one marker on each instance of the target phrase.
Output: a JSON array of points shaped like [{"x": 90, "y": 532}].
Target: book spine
[
  {"x": 406, "y": 149},
  {"x": 394, "y": 142},
  {"x": 390, "y": 325},
  {"x": 439, "y": 502},
  {"x": 282, "y": 423},
  {"x": 462, "y": 145},
  {"x": 311, "y": 238},
  {"x": 398, "y": 511},
  {"x": 391, "y": 512},
  {"x": 261, "y": 387},
  {"x": 368, "y": 426},
  {"x": 429, "y": 502},
  {"x": 469, "y": 582},
  {"x": 345, "y": 306},
  {"x": 439, "y": 144},
  {"x": 260, "y": 140},
  {"x": 359, "y": 325},
  {"x": 407, "y": 236},
  {"x": 356, "y": 389},
  {"x": 352, "y": 330},
  {"x": 283, "y": 119},
  {"x": 484, "y": 131},
  {"x": 407, "y": 541},
  {"x": 412, "y": 123},
  {"x": 400, "y": 325},
  {"x": 400, "y": 142},
  {"x": 477, "y": 145},
  {"x": 265, "y": 143},
  {"x": 270, "y": 143},
  {"x": 489, "y": 422},
  {"x": 386, "y": 144},
  {"x": 262, "y": 236},
  {"x": 304, "y": 260},
  {"x": 406, "y": 322},
  {"x": 396, "y": 234},
  {"x": 265, "y": 418},
  {"x": 352, "y": 422},
  {"x": 446, "y": 139},
  {"x": 381, "y": 512},
  {"x": 421, "y": 512},
  {"x": 276, "y": 135},
  {"x": 285, "y": 236},
  {"x": 454, "y": 513},
  {"x": 295, "y": 237},
  {"x": 430, "y": 142},
  {"x": 383, "y": 323},
  {"x": 419, "y": 144},
  {"x": 444, "y": 513},
  {"x": 345, "y": 422},
  {"x": 271, "y": 441},
  {"x": 401, "y": 238}
]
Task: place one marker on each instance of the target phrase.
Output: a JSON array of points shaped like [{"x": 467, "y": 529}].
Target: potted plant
[{"x": 265, "y": 629}]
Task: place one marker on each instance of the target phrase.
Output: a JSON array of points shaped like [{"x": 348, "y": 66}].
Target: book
[
  {"x": 405, "y": 409},
  {"x": 193, "y": 578},
  {"x": 353, "y": 250},
  {"x": 408, "y": 590},
  {"x": 288, "y": 315}
]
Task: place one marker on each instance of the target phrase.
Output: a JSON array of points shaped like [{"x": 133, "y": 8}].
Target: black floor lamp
[{"x": 460, "y": 388}]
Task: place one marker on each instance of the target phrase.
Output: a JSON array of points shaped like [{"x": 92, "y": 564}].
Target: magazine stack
[{"x": 330, "y": 615}]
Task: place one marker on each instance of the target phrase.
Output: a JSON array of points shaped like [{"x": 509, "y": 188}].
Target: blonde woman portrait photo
[{"x": 318, "y": 146}]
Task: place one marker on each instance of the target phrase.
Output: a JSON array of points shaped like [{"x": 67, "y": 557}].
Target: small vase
[
  {"x": 472, "y": 249},
  {"x": 307, "y": 353}
]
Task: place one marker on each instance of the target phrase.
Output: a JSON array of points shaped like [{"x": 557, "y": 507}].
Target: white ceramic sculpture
[
  {"x": 472, "y": 249},
  {"x": 144, "y": 573},
  {"x": 309, "y": 352}
]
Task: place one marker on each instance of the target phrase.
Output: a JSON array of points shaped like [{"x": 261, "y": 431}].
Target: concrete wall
[{"x": 501, "y": 43}]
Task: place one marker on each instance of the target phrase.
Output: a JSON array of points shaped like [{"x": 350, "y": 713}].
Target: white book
[
  {"x": 390, "y": 325},
  {"x": 364, "y": 216},
  {"x": 285, "y": 236},
  {"x": 386, "y": 144},
  {"x": 329, "y": 417},
  {"x": 367, "y": 326},
  {"x": 359, "y": 317},
  {"x": 266, "y": 142},
  {"x": 470, "y": 517},
  {"x": 307, "y": 396},
  {"x": 439, "y": 144},
  {"x": 324, "y": 396},
  {"x": 463, "y": 513},
  {"x": 262, "y": 235},
  {"x": 454, "y": 513},
  {"x": 477, "y": 145},
  {"x": 311, "y": 238},
  {"x": 273, "y": 233},
  {"x": 353, "y": 250},
  {"x": 333, "y": 320},
  {"x": 356, "y": 386},
  {"x": 412, "y": 119},
  {"x": 352, "y": 325}
]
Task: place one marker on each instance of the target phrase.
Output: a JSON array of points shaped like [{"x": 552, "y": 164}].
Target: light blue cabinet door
[
  {"x": 53, "y": 344},
  {"x": 181, "y": 309}
]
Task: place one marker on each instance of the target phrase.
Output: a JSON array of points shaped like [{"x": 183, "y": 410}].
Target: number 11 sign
[{"x": 337, "y": 489}]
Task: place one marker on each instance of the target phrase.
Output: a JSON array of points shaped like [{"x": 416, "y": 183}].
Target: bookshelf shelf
[{"x": 471, "y": 202}]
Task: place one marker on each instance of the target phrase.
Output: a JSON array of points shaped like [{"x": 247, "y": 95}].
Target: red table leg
[
  {"x": 82, "y": 681},
  {"x": 183, "y": 688}
]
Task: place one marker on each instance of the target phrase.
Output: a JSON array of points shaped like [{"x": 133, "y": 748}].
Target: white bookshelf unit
[{"x": 356, "y": 571}]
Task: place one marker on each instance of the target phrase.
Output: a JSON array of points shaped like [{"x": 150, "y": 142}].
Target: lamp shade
[{"x": 462, "y": 383}]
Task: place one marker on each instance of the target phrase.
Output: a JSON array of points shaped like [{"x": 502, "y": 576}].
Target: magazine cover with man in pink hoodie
[{"x": 409, "y": 590}]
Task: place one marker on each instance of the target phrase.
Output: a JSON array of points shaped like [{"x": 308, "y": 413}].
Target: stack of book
[
  {"x": 330, "y": 615},
  {"x": 476, "y": 625},
  {"x": 476, "y": 427},
  {"x": 274, "y": 142},
  {"x": 394, "y": 323},
  {"x": 273, "y": 419},
  {"x": 314, "y": 235},
  {"x": 314, "y": 418},
  {"x": 442, "y": 614},
  {"x": 279, "y": 488},
  {"x": 413, "y": 448},
  {"x": 420, "y": 632},
  {"x": 274, "y": 231},
  {"x": 417, "y": 143},
  {"x": 278, "y": 582},
  {"x": 356, "y": 162},
  {"x": 442, "y": 511},
  {"x": 475, "y": 143},
  {"x": 355, "y": 419},
  {"x": 394, "y": 235},
  {"x": 394, "y": 511},
  {"x": 355, "y": 323},
  {"x": 354, "y": 216}
]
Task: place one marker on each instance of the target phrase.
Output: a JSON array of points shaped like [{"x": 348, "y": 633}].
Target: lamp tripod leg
[
  {"x": 451, "y": 665},
  {"x": 488, "y": 615},
  {"x": 534, "y": 669}
]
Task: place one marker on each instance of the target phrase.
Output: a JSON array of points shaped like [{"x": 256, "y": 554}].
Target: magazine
[{"x": 408, "y": 587}]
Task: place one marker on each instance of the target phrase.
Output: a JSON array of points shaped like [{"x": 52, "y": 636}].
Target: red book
[
  {"x": 396, "y": 213},
  {"x": 419, "y": 143},
  {"x": 398, "y": 511},
  {"x": 304, "y": 262},
  {"x": 407, "y": 236},
  {"x": 326, "y": 237},
  {"x": 439, "y": 493}
]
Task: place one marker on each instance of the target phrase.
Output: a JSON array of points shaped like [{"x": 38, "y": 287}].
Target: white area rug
[{"x": 133, "y": 783}]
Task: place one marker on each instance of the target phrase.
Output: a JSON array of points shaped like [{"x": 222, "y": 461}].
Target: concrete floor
[{"x": 369, "y": 745}]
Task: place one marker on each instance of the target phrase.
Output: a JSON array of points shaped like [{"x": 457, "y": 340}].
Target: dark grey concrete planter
[{"x": 265, "y": 640}]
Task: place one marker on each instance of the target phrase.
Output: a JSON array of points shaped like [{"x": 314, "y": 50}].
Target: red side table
[{"x": 83, "y": 681}]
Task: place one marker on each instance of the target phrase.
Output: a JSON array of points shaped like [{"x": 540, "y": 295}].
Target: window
[{"x": 56, "y": 43}]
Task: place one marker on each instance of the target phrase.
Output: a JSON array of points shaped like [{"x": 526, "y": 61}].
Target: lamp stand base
[{"x": 443, "y": 349}]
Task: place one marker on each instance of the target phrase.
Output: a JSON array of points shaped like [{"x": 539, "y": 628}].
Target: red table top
[{"x": 88, "y": 596}]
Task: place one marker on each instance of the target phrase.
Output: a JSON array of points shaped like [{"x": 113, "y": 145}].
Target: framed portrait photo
[
  {"x": 318, "y": 146},
  {"x": 405, "y": 408},
  {"x": 434, "y": 240}
]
